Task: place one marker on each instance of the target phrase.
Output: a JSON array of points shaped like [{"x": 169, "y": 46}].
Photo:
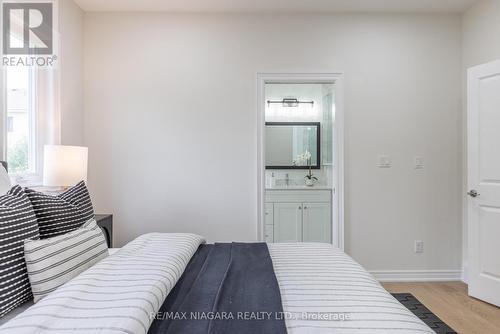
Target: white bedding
[
  {"x": 320, "y": 280},
  {"x": 113, "y": 250},
  {"x": 18, "y": 310},
  {"x": 119, "y": 294}
]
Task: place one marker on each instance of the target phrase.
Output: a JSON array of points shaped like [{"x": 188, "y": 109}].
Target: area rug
[{"x": 417, "y": 308}]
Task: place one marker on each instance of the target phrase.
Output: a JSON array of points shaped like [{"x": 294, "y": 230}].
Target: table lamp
[{"x": 64, "y": 166}]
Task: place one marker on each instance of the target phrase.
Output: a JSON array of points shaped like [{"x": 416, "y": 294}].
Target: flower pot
[{"x": 309, "y": 182}]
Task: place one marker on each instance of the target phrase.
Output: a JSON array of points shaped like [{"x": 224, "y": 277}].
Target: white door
[
  {"x": 287, "y": 222},
  {"x": 484, "y": 182},
  {"x": 316, "y": 224}
]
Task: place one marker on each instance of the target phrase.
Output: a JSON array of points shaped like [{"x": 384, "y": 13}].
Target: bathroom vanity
[{"x": 298, "y": 214}]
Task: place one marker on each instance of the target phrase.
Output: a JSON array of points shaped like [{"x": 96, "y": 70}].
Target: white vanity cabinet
[
  {"x": 287, "y": 222},
  {"x": 298, "y": 216}
]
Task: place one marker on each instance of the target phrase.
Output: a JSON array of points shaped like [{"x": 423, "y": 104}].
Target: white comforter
[
  {"x": 117, "y": 295},
  {"x": 322, "y": 289}
]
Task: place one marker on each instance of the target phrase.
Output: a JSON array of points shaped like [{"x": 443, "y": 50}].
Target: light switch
[
  {"x": 384, "y": 161},
  {"x": 419, "y": 162},
  {"x": 419, "y": 246}
]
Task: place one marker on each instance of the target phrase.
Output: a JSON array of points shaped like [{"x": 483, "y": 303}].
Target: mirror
[{"x": 286, "y": 143}]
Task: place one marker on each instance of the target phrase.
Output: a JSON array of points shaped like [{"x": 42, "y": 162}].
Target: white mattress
[{"x": 325, "y": 291}]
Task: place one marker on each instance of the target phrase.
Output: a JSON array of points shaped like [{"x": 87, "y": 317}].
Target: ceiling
[{"x": 279, "y": 6}]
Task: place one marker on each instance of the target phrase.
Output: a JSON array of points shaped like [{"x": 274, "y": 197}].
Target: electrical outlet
[{"x": 419, "y": 246}]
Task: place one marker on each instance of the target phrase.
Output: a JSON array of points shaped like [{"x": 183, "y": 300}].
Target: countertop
[{"x": 293, "y": 187}]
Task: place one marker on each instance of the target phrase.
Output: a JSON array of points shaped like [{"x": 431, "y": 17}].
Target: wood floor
[{"x": 450, "y": 302}]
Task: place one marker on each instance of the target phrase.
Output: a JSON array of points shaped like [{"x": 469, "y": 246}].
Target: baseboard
[
  {"x": 465, "y": 272},
  {"x": 417, "y": 275}
]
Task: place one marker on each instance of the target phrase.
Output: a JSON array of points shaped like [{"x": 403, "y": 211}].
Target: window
[
  {"x": 21, "y": 119},
  {"x": 29, "y": 113}
]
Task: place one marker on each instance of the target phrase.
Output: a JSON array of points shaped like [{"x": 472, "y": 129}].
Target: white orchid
[{"x": 304, "y": 157}]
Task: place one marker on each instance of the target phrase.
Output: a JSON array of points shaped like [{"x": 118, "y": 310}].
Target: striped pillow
[
  {"x": 54, "y": 261},
  {"x": 62, "y": 213},
  {"x": 17, "y": 223}
]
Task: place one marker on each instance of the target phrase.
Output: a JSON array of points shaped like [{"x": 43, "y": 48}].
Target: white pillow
[
  {"x": 54, "y": 261},
  {"x": 5, "y": 183}
]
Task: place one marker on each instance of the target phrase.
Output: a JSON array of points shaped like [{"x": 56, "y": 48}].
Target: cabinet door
[
  {"x": 287, "y": 222},
  {"x": 269, "y": 214},
  {"x": 269, "y": 223},
  {"x": 317, "y": 223},
  {"x": 269, "y": 233}
]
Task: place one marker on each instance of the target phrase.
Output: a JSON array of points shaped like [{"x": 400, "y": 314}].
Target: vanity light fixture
[{"x": 290, "y": 102}]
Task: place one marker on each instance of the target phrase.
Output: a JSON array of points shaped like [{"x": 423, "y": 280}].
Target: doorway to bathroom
[{"x": 300, "y": 133}]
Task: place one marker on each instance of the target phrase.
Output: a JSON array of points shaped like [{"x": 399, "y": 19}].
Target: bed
[{"x": 149, "y": 284}]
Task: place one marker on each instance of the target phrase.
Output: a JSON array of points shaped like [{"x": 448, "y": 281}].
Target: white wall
[
  {"x": 481, "y": 33},
  {"x": 170, "y": 121},
  {"x": 71, "y": 72},
  {"x": 481, "y": 44}
]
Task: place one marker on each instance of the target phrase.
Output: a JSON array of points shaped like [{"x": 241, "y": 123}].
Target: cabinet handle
[
  {"x": 300, "y": 207},
  {"x": 305, "y": 208}
]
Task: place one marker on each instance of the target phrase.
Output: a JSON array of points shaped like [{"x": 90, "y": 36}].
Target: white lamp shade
[{"x": 64, "y": 166}]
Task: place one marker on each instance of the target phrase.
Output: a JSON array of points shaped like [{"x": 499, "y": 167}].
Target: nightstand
[{"x": 105, "y": 222}]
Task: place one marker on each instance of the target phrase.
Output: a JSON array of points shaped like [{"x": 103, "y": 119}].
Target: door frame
[{"x": 338, "y": 148}]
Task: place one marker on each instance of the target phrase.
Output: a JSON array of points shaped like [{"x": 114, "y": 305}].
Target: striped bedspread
[
  {"x": 117, "y": 295},
  {"x": 324, "y": 291}
]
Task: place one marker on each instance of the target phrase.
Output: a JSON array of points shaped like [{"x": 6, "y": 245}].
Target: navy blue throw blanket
[{"x": 226, "y": 288}]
